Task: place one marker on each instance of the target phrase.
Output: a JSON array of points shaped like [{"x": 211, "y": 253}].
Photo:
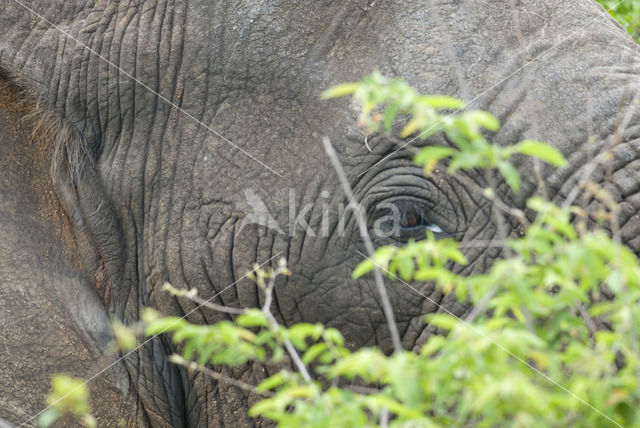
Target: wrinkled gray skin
[{"x": 151, "y": 196}]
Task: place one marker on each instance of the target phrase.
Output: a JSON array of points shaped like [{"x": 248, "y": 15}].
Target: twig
[
  {"x": 497, "y": 213},
  {"x": 364, "y": 234},
  {"x": 528, "y": 319},
  {"x": 482, "y": 305},
  {"x": 542, "y": 187},
  {"x": 591, "y": 325},
  {"x": 177, "y": 359},
  {"x": 266, "y": 309},
  {"x": 193, "y": 295},
  {"x": 384, "y": 417}
]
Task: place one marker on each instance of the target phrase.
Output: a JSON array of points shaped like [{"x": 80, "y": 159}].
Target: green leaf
[
  {"x": 48, "y": 417},
  {"x": 483, "y": 119},
  {"x": 403, "y": 371},
  {"x": 442, "y": 102},
  {"x": 278, "y": 353},
  {"x": 380, "y": 401},
  {"x": 510, "y": 174},
  {"x": 253, "y": 318},
  {"x": 415, "y": 124},
  {"x": 263, "y": 406},
  {"x": 383, "y": 255},
  {"x": 313, "y": 352},
  {"x": 433, "y": 345},
  {"x": 300, "y": 332},
  {"x": 334, "y": 336},
  {"x": 125, "y": 336},
  {"x": 431, "y": 155},
  {"x": 271, "y": 382},
  {"x": 390, "y": 115},
  {"x": 405, "y": 267},
  {"x": 164, "y": 325},
  {"x": 443, "y": 321},
  {"x": 149, "y": 315},
  {"x": 364, "y": 267},
  {"x": 455, "y": 255},
  {"x": 542, "y": 151},
  {"x": 466, "y": 160},
  {"x": 340, "y": 90},
  {"x": 69, "y": 395}
]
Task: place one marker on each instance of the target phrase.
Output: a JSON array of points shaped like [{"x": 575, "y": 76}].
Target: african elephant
[{"x": 180, "y": 141}]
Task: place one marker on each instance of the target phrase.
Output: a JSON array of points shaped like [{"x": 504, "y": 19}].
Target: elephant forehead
[
  {"x": 276, "y": 42},
  {"x": 253, "y": 71}
]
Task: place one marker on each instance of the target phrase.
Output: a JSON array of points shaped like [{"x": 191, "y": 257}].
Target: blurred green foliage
[
  {"x": 68, "y": 396},
  {"x": 627, "y": 12}
]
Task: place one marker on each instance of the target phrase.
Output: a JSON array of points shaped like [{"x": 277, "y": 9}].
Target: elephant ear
[
  {"x": 43, "y": 49},
  {"x": 51, "y": 318},
  {"x": 95, "y": 225},
  {"x": 48, "y": 51}
]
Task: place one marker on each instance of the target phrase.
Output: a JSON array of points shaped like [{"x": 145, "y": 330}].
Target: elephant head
[{"x": 158, "y": 140}]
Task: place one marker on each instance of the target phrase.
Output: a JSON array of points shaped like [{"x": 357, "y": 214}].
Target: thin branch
[
  {"x": 542, "y": 187},
  {"x": 177, "y": 359},
  {"x": 528, "y": 319},
  {"x": 364, "y": 234},
  {"x": 193, "y": 296},
  {"x": 384, "y": 417},
  {"x": 591, "y": 325},
  {"x": 482, "y": 305},
  {"x": 266, "y": 309},
  {"x": 497, "y": 212}
]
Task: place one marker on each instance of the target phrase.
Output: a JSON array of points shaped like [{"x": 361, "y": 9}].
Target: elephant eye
[
  {"x": 410, "y": 221},
  {"x": 406, "y": 219},
  {"x": 415, "y": 221}
]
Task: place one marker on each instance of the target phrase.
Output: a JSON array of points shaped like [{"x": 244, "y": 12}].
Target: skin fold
[{"x": 136, "y": 138}]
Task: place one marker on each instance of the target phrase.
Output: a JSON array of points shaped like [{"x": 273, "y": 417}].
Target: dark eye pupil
[{"x": 411, "y": 221}]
